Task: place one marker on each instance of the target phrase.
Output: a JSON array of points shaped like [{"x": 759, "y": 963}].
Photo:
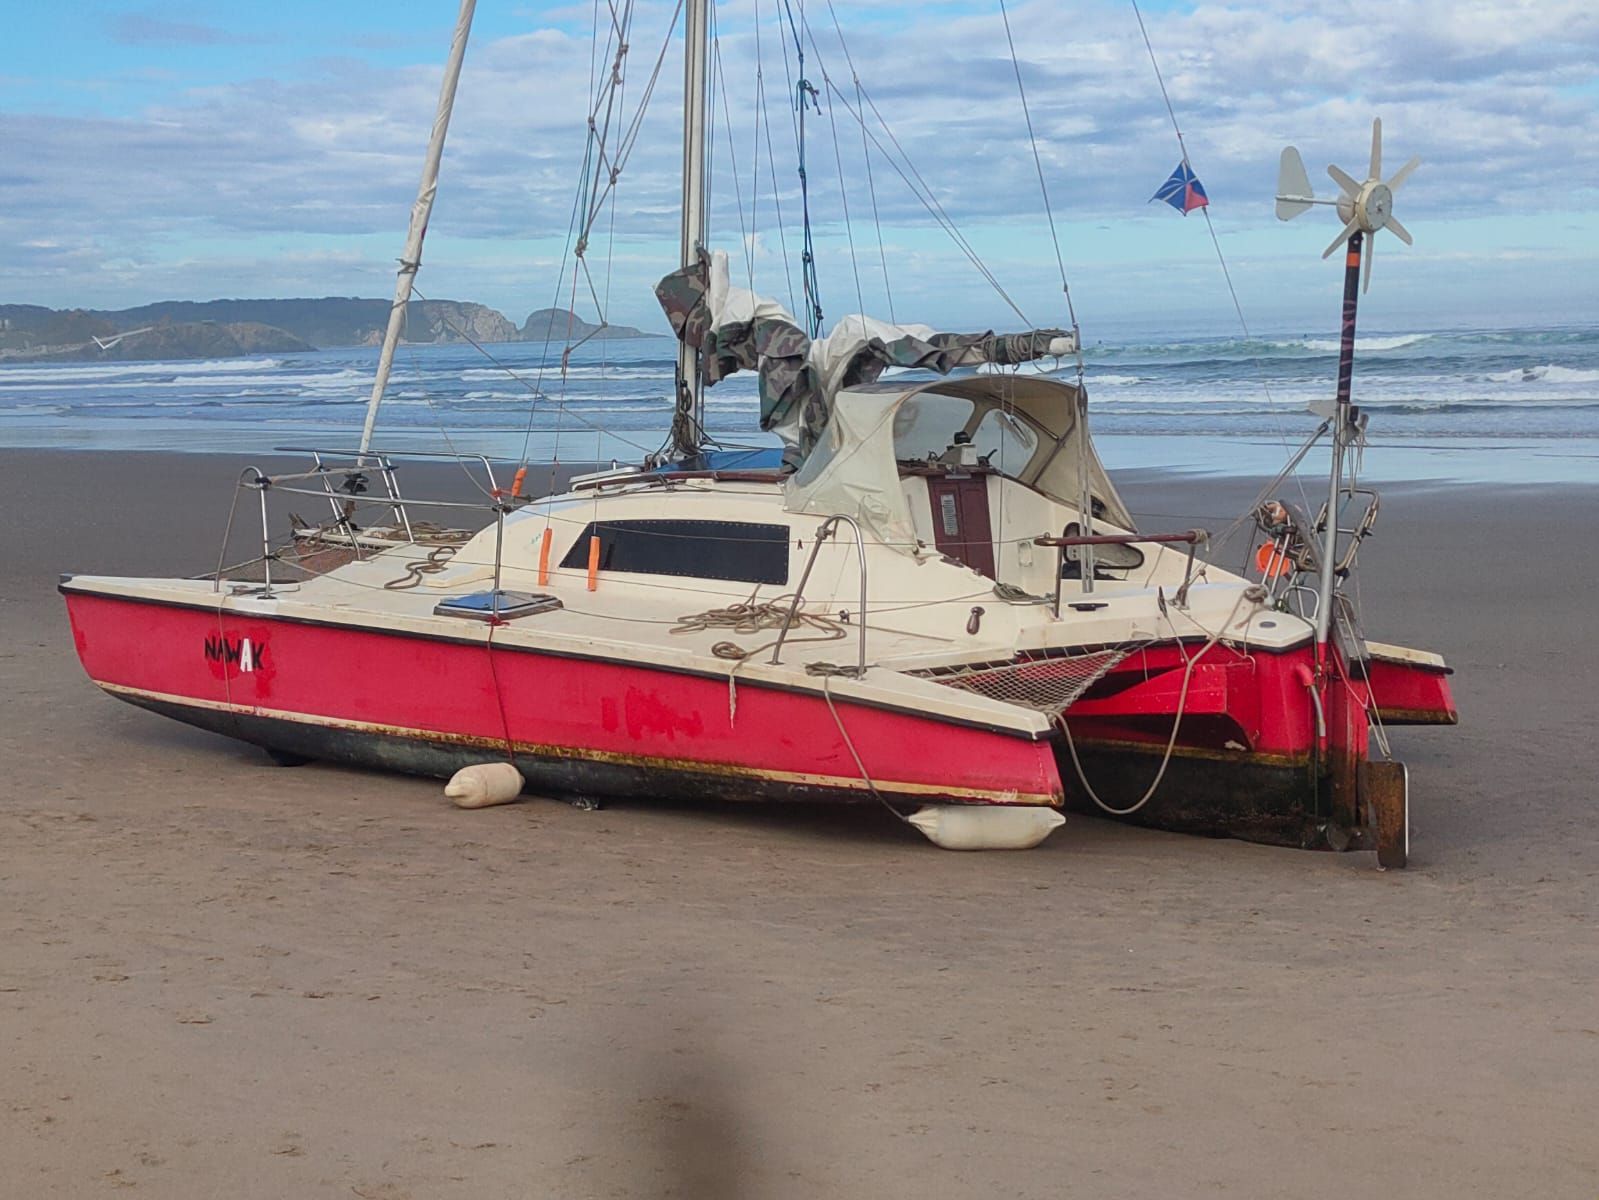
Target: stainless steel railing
[
  {"x": 342, "y": 501},
  {"x": 823, "y": 532}
]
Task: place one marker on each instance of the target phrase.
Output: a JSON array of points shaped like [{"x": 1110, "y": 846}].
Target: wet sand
[{"x": 222, "y": 978}]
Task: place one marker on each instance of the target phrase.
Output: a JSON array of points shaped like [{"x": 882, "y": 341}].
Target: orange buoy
[
  {"x": 594, "y": 562},
  {"x": 1272, "y": 562},
  {"x": 516, "y": 483}
]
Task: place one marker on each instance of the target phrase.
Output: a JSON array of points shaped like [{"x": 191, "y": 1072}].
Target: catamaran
[{"x": 929, "y": 595}]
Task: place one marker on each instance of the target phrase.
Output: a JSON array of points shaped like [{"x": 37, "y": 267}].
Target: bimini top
[{"x": 1026, "y": 428}]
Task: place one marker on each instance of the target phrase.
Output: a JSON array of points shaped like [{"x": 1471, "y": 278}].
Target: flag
[{"x": 1182, "y": 190}]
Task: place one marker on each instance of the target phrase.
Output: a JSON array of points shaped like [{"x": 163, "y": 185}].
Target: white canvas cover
[
  {"x": 852, "y": 470},
  {"x": 854, "y": 467}
]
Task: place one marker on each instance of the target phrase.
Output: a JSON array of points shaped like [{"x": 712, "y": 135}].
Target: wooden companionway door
[{"x": 961, "y": 526}]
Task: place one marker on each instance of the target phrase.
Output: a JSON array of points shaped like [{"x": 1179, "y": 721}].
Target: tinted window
[{"x": 735, "y": 550}]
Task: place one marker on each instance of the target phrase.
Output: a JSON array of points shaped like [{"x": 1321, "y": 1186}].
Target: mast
[
  {"x": 689, "y": 418},
  {"x": 411, "y": 259}
]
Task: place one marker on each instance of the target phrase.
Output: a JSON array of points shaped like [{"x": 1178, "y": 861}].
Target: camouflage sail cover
[{"x": 731, "y": 329}]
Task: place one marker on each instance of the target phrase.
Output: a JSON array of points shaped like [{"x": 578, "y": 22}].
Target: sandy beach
[{"x": 223, "y": 978}]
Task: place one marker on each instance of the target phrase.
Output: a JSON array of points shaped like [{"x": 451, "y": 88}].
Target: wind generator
[{"x": 1364, "y": 208}]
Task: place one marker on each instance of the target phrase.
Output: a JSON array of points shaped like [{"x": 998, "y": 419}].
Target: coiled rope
[
  {"x": 437, "y": 559},
  {"x": 754, "y": 617}
]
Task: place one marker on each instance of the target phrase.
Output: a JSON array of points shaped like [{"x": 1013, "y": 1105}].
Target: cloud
[
  {"x": 1496, "y": 97},
  {"x": 143, "y": 29}
]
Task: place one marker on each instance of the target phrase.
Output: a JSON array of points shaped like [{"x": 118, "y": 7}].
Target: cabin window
[
  {"x": 925, "y": 425},
  {"x": 740, "y": 551},
  {"x": 1005, "y": 440}
]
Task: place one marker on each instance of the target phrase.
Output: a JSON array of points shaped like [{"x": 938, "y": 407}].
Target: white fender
[
  {"x": 986, "y": 826},
  {"x": 483, "y": 785}
]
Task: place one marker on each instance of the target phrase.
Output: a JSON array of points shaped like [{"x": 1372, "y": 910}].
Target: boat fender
[
  {"x": 986, "y": 826},
  {"x": 483, "y": 785}
]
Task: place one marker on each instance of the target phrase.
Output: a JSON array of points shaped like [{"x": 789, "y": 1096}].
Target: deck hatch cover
[
  {"x": 482, "y": 606},
  {"x": 742, "y": 551}
]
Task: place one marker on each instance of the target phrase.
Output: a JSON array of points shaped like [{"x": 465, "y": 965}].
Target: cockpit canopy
[{"x": 1023, "y": 428}]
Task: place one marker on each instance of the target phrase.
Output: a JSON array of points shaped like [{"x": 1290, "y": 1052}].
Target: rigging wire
[
  {"x": 1085, "y": 514},
  {"x": 877, "y": 221},
  {"x": 720, "y": 81},
  {"x": 1243, "y": 322},
  {"x": 603, "y": 308},
  {"x": 913, "y": 180},
  {"x": 1043, "y": 189},
  {"x": 849, "y": 229},
  {"x": 764, "y": 123},
  {"x": 589, "y": 197},
  {"x": 537, "y": 385},
  {"x": 537, "y": 392},
  {"x": 805, "y": 92},
  {"x": 866, "y": 157},
  {"x": 843, "y": 190}
]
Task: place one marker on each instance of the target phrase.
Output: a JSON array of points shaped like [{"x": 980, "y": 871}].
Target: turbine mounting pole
[
  {"x": 1365, "y": 207},
  {"x": 1343, "y": 429}
]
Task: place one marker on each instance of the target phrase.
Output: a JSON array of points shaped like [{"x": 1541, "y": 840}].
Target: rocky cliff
[
  {"x": 557, "y": 325},
  {"x": 449, "y": 321}
]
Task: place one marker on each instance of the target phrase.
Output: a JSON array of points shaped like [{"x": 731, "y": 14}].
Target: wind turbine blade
[
  {"x": 1371, "y": 253},
  {"x": 1376, "y": 148},
  {"x": 1344, "y": 180},
  {"x": 1293, "y": 186},
  {"x": 1403, "y": 174},
  {"x": 1348, "y": 232},
  {"x": 1399, "y": 231}
]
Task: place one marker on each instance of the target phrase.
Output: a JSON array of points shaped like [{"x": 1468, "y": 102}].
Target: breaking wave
[
  {"x": 104, "y": 372},
  {"x": 1545, "y": 373},
  {"x": 1362, "y": 344}
]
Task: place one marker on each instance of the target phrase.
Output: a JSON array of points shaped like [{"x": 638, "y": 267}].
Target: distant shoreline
[{"x": 186, "y": 330}]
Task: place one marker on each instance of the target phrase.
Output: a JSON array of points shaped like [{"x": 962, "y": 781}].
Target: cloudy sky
[{"x": 181, "y": 150}]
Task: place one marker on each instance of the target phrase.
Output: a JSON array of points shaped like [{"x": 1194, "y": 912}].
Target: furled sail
[{"x": 733, "y": 329}]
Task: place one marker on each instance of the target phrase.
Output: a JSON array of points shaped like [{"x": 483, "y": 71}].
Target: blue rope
[{"x": 805, "y": 92}]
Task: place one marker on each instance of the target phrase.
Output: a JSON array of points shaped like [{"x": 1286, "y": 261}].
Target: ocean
[{"x": 1516, "y": 406}]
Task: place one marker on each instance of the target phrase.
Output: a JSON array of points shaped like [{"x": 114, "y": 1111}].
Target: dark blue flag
[{"x": 1182, "y": 190}]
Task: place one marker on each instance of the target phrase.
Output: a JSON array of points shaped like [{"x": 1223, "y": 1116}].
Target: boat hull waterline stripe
[{"x": 145, "y": 697}]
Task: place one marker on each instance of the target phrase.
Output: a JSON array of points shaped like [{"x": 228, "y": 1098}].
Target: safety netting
[{"x": 1050, "y": 684}]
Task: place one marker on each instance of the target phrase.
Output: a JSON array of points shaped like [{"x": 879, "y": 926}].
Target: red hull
[
  {"x": 1255, "y": 756},
  {"x": 591, "y": 725},
  {"x": 1237, "y": 703},
  {"x": 1410, "y": 694}
]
